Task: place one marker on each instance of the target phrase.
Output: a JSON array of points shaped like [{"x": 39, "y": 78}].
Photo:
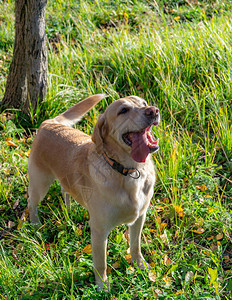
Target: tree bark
[{"x": 27, "y": 80}]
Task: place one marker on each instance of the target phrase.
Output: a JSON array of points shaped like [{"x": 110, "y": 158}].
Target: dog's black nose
[{"x": 151, "y": 111}]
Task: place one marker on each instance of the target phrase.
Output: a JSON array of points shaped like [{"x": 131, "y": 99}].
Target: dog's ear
[{"x": 99, "y": 133}]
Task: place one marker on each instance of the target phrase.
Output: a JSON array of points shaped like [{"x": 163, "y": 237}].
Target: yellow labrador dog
[{"x": 111, "y": 173}]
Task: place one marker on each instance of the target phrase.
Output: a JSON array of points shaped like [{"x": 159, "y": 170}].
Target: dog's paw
[
  {"x": 143, "y": 265},
  {"x": 102, "y": 286}
]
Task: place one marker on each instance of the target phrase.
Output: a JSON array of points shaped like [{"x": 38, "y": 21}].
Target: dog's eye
[
  {"x": 145, "y": 103},
  {"x": 123, "y": 110}
]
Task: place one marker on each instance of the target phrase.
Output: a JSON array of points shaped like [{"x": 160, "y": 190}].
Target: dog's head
[{"x": 128, "y": 122}]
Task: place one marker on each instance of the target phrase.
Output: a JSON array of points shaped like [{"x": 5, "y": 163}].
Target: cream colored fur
[{"x": 75, "y": 159}]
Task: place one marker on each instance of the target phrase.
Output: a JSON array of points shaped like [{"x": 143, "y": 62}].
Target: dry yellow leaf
[
  {"x": 128, "y": 258},
  {"x": 158, "y": 219},
  {"x": 152, "y": 264},
  {"x": 210, "y": 209},
  {"x": 162, "y": 226},
  {"x": 152, "y": 276},
  {"x": 163, "y": 238},
  {"x": 178, "y": 209},
  {"x": 131, "y": 268},
  {"x": 167, "y": 280},
  {"x": 177, "y": 18},
  {"x": 176, "y": 234},
  {"x": 79, "y": 231},
  {"x": 87, "y": 249},
  {"x": 10, "y": 224},
  {"x": 199, "y": 230},
  {"x": 12, "y": 144},
  {"x": 6, "y": 171},
  {"x": 179, "y": 293},
  {"x": 202, "y": 187},
  {"x": 219, "y": 236},
  {"x": 116, "y": 265},
  {"x": 158, "y": 292},
  {"x": 159, "y": 208},
  {"x": 206, "y": 252},
  {"x": 167, "y": 260},
  {"x": 27, "y": 153}
]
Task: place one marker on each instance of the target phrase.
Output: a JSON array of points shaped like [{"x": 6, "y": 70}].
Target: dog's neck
[{"x": 116, "y": 152}]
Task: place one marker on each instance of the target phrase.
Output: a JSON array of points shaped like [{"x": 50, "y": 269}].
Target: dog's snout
[{"x": 151, "y": 111}]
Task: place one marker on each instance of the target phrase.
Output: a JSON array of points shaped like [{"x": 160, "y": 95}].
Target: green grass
[{"x": 178, "y": 57}]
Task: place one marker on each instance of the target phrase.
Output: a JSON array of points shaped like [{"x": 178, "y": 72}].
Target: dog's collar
[{"x": 120, "y": 168}]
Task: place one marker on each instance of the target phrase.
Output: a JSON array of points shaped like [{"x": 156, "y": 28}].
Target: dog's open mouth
[{"x": 142, "y": 143}]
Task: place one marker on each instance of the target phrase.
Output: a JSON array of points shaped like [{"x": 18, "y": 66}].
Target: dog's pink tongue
[{"x": 140, "y": 148}]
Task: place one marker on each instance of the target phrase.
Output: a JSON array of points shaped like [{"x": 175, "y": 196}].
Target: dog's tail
[{"x": 75, "y": 113}]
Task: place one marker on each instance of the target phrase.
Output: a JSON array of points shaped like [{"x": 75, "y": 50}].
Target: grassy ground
[{"x": 177, "y": 55}]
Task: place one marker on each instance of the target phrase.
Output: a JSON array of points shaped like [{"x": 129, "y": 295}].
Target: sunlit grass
[{"x": 183, "y": 68}]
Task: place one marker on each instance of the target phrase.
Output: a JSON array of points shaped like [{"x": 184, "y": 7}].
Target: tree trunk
[{"x": 27, "y": 80}]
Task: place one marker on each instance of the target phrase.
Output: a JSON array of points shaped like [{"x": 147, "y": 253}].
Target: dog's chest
[{"x": 139, "y": 191}]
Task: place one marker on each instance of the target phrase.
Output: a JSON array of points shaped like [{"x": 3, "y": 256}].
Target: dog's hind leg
[{"x": 39, "y": 182}]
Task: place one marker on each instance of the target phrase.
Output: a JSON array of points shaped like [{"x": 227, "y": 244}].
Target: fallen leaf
[
  {"x": 213, "y": 247},
  {"x": 158, "y": 292},
  {"x": 177, "y": 18},
  {"x": 108, "y": 270},
  {"x": 79, "y": 231},
  {"x": 158, "y": 219},
  {"x": 152, "y": 276},
  {"x": 206, "y": 252},
  {"x": 19, "y": 226},
  {"x": 131, "y": 268},
  {"x": 199, "y": 230},
  {"x": 202, "y": 187},
  {"x": 27, "y": 153},
  {"x": 163, "y": 238},
  {"x": 159, "y": 208},
  {"x": 219, "y": 236},
  {"x": 167, "y": 260},
  {"x": 6, "y": 171},
  {"x": 162, "y": 226},
  {"x": 152, "y": 264},
  {"x": 188, "y": 277},
  {"x": 167, "y": 280},
  {"x": 87, "y": 249},
  {"x": 210, "y": 210},
  {"x": 12, "y": 144},
  {"x": 165, "y": 200},
  {"x": 10, "y": 224},
  {"x": 116, "y": 265},
  {"x": 179, "y": 210},
  {"x": 25, "y": 215},
  {"x": 128, "y": 258},
  {"x": 16, "y": 204},
  {"x": 47, "y": 246},
  {"x": 127, "y": 236},
  {"x": 179, "y": 293}
]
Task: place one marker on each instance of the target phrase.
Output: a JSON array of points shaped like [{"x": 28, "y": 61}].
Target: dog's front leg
[
  {"x": 135, "y": 231},
  {"x": 99, "y": 244}
]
